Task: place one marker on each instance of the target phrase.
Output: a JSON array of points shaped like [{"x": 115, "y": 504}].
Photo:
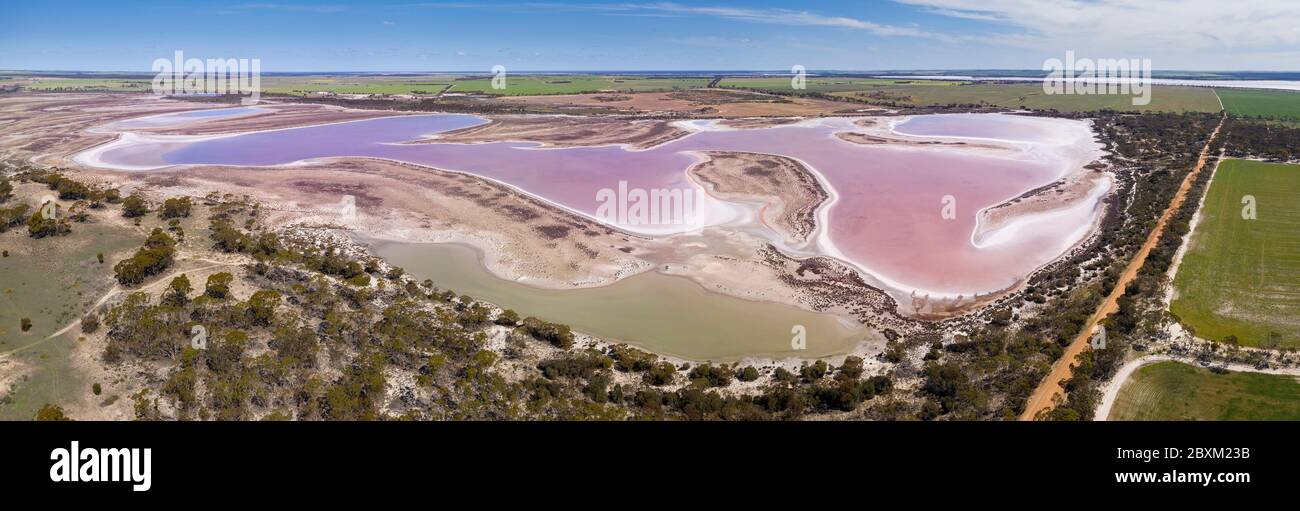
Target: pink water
[{"x": 887, "y": 218}]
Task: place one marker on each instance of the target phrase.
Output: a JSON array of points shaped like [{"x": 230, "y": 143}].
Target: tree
[
  {"x": 297, "y": 346},
  {"x": 90, "y": 323},
  {"x": 134, "y": 206},
  {"x": 508, "y": 317},
  {"x": 39, "y": 227},
  {"x": 261, "y": 306},
  {"x": 25, "y": 323},
  {"x": 51, "y": 412},
  {"x": 154, "y": 257},
  {"x": 218, "y": 285},
  {"x": 178, "y": 291},
  {"x": 660, "y": 374},
  {"x": 175, "y": 207}
]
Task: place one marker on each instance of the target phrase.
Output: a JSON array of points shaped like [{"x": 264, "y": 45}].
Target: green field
[
  {"x": 1015, "y": 95},
  {"x": 829, "y": 85},
  {"x": 1242, "y": 277},
  {"x": 53, "y": 282},
  {"x": 1177, "y": 391},
  {"x": 85, "y": 85},
  {"x": 1268, "y": 104},
  {"x": 516, "y": 85}
]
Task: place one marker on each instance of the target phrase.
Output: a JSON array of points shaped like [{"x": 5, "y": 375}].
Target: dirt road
[
  {"x": 1045, "y": 396},
  {"x": 76, "y": 323}
]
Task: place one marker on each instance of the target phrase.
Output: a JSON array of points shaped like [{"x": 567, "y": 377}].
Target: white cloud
[{"x": 1136, "y": 26}]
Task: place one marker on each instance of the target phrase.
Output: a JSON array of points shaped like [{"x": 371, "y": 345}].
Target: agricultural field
[
  {"x": 83, "y": 84},
  {"x": 829, "y": 85},
  {"x": 1238, "y": 280},
  {"x": 1267, "y": 104},
  {"x": 1013, "y": 95},
  {"x": 516, "y": 85},
  {"x": 1177, "y": 391},
  {"x": 342, "y": 84}
]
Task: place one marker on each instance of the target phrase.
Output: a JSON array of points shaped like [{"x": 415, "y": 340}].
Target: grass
[
  {"x": 516, "y": 85},
  {"x": 1014, "y": 95},
  {"x": 1238, "y": 278},
  {"x": 53, "y": 281},
  {"x": 1267, "y": 104},
  {"x": 86, "y": 84},
  {"x": 829, "y": 85},
  {"x": 1177, "y": 391}
]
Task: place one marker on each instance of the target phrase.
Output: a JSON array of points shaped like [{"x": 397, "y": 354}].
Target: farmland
[
  {"x": 1013, "y": 95},
  {"x": 1267, "y": 104},
  {"x": 516, "y": 85},
  {"x": 84, "y": 84},
  {"x": 1177, "y": 391},
  {"x": 1237, "y": 281}
]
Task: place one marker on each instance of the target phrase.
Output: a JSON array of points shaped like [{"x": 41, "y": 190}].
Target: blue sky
[{"x": 358, "y": 35}]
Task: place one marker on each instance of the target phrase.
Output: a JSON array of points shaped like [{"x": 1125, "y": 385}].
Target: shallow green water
[{"x": 665, "y": 314}]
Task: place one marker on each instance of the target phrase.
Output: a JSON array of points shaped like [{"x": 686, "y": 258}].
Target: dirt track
[{"x": 1045, "y": 396}]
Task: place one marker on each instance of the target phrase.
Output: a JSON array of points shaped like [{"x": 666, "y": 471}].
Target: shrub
[
  {"x": 51, "y": 412},
  {"x": 558, "y": 335},
  {"x": 713, "y": 376},
  {"x": 175, "y": 207},
  {"x": 134, "y": 206},
  {"x": 660, "y": 374},
  {"x": 218, "y": 285},
  {"x": 90, "y": 323}
]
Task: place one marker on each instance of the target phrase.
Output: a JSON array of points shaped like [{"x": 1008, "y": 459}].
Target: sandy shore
[
  {"x": 270, "y": 116},
  {"x": 789, "y": 193},
  {"x": 562, "y": 131},
  {"x": 695, "y": 103}
]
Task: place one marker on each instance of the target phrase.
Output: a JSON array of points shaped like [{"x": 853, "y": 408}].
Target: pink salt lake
[{"x": 885, "y": 216}]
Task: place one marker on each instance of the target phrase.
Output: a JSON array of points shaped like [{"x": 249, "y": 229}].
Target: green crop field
[
  {"x": 1014, "y": 95},
  {"x": 1268, "y": 104},
  {"x": 828, "y": 85},
  {"x": 516, "y": 85},
  {"x": 529, "y": 85},
  {"x": 1177, "y": 391},
  {"x": 1241, "y": 278},
  {"x": 299, "y": 85},
  {"x": 85, "y": 84}
]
